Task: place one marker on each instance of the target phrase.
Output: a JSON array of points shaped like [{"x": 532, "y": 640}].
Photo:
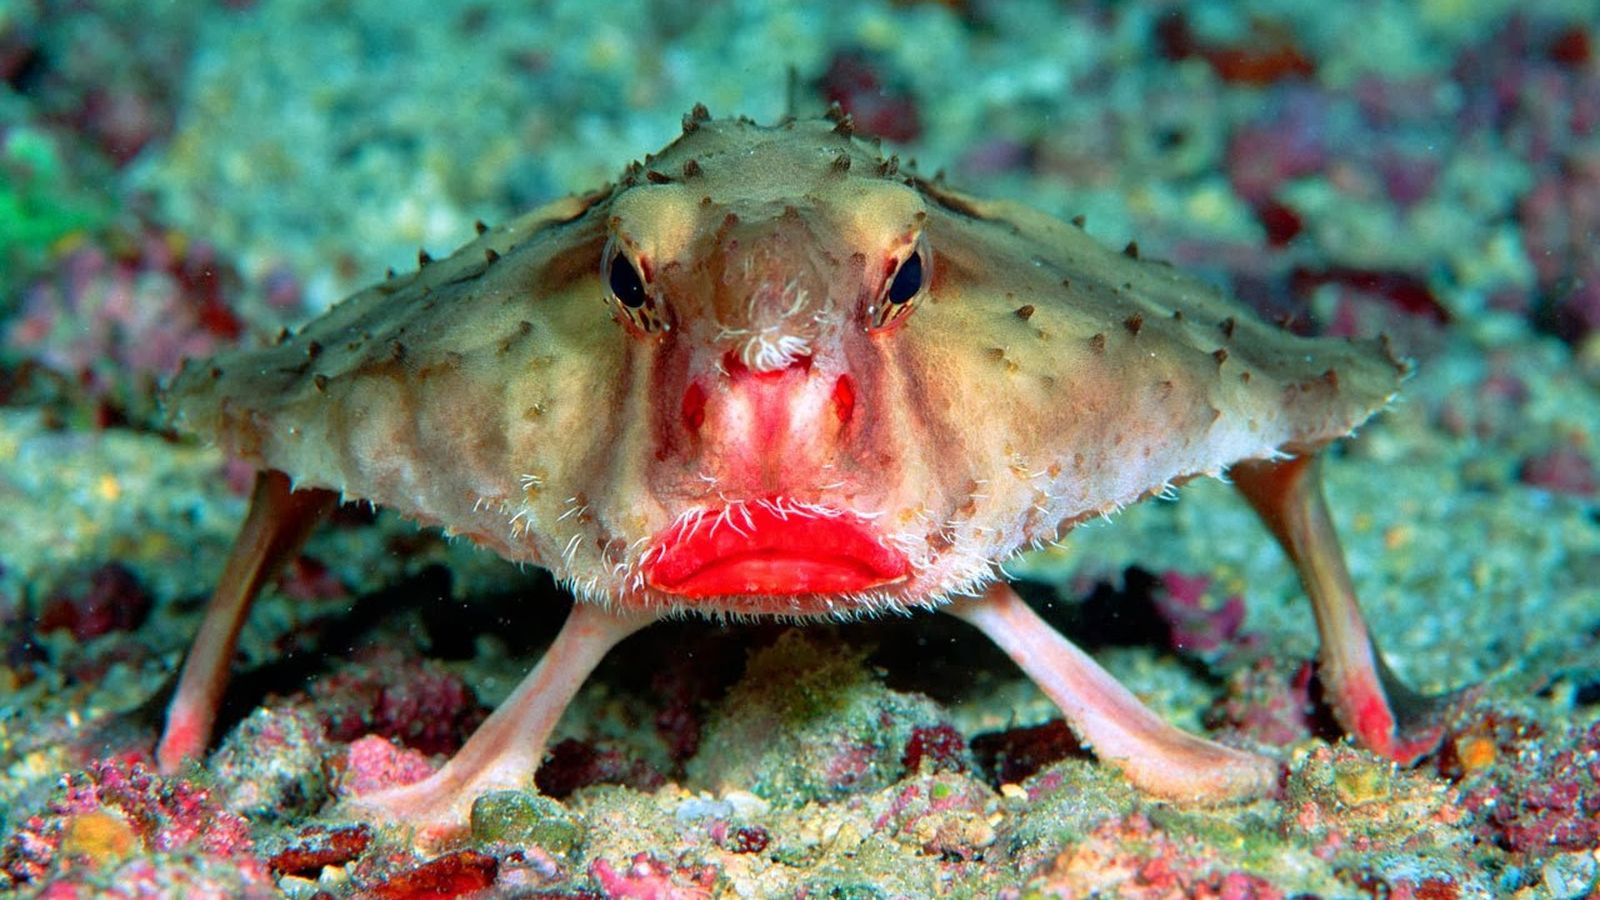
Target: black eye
[
  {"x": 907, "y": 281},
  {"x": 625, "y": 283}
]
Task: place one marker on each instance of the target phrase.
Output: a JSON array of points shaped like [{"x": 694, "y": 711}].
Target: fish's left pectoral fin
[
  {"x": 1157, "y": 757},
  {"x": 1370, "y": 702}
]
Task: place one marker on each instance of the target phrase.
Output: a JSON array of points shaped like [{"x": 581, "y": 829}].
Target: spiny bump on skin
[
  {"x": 490, "y": 256},
  {"x": 995, "y": 353},
  {"x": 655, "y": 177},
  {"x": 216, "y": 372},
  {"x": 480, "y": 226},
  {"x": 1227, "y": 326},
  {"x": 1245, "y": 376},
  {"x": 1133, "y": 323},
  {"x": 524, "y": 328},
  {"x": 1131, "y": 251},
  {"x": 844, "y": 125},
  {"x": 1080, "y": 220},
  {"x": 390, "y": 273},
  {"x": 423, "y": 258},
  {"x": 890, "y": 166},
  {"x": 841, "y": 163},
  {"x": 691, "y": 169},
  {"x": 313, "y": 349},
  {"x": 1025, "y": 311},
  {"x": 1402, "y": 366},
  {"x": 282, "y": 335},
  {"x": 1097, "y": 343},
  {"x": 1177, "y": 315},
  {"x": 320, "y": 382},
  {"x": 1220, "y": 355},
  {"x": 1331, "y": 378},
  {"x": 693, "y": 118},
  {"x": 1066, "y": 283}
]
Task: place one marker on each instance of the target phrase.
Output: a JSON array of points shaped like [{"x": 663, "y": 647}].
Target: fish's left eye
[
  {"x": 625, "y": 285},
  {"x": 904, "y": 288}
]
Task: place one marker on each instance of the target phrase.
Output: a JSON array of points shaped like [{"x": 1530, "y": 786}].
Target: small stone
[
  {"x": 270, "y": 768},
  {"x": 99, "y": 836},
  {"x": 1361, "y": 783},
  {"x": 1476, "y": 752},
  {"x": 520, "y": 817}
]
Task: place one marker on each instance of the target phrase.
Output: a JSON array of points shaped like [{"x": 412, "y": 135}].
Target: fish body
[
  {"x": 770, "y": 372},
  {"x": 759, "y": 377}
]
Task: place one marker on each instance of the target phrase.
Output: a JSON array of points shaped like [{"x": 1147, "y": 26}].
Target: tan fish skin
[{"x": 769, "y": 373}]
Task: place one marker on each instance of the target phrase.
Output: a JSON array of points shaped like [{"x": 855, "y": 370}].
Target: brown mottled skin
[{"x": 706, "y": 388}]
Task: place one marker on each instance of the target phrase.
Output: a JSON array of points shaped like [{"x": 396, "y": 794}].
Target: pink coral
[
  {"x": 108, "y": 598},
  {"x": 941, "y": 748},
  {"x": 855, "y": 80},
  {"x": 119, "y": 314},
  {"x": 647, "y": 878},
  {"x": 417, "y": 702},
  {"x": 372, "y": 763},
  {"x": 1565, "y": 470},
  {"x": 1201, "y": 623},
  {"x": 1535, "y": 795},
  {"x": 572, "y": 764},
  {"x": 1265, "y": 703},
  {"x": 164, "y": 814}
]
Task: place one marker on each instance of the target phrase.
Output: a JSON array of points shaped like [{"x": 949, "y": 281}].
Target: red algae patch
[
  {"x": 319, "y": 846},
  {"x": 458, "y": 874}
]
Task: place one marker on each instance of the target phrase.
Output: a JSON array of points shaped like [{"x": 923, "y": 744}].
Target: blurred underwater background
[{"x": 181, "y": 177}]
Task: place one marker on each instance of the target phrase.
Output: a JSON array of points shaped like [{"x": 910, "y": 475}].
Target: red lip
[{"x": 755, "y": 549}]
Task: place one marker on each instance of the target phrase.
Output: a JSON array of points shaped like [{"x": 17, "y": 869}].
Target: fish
[{"x": 771, "y": 372}]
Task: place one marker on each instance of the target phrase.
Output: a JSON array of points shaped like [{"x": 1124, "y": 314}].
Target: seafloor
[{"x": 178, "y": 177}]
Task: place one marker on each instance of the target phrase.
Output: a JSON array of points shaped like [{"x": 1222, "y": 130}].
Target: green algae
[
  {"x": 521, "y": 817},
  {"x": 40, "y": 205}
]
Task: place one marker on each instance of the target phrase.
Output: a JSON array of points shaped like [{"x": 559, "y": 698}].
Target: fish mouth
[{"x": 772, "y": 548}]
